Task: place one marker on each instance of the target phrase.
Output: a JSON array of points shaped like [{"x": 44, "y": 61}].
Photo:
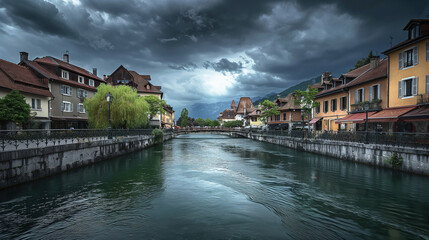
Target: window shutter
[
  {"x": 370, "y": 93},
  {"x": 427, "y": 51},
  {"x": 400, "y": 61},
  {"x": 363, "y": 94},
  {"x": 71, "y": 107},
  {"x": 356, "y": 96},
  {"x": 71, "y": 91},
  {"x": 62, "y": 107},
  {"x": 379, "y": 91},
  {"x": 62, "y": 89},
  {"x": 415, "y": 55},
  {"x": 400, "y": 89},
  {"x": 427, "y": 83},
  {"x": 415, "y": 82}
]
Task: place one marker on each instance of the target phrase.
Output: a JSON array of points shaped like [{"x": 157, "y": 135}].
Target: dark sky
[{"x": 212, "y": 50}]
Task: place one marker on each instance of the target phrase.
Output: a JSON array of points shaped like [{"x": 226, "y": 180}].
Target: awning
[
  {"x": 418, "y": 114},
  {"x": 390, "y": 114},
  {"x": 355, "y": 118},
  {"x": 315, "y": 120}
]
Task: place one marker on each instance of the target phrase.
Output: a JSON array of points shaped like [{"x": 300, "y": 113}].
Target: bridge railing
[{"x": 21, "y": 139}]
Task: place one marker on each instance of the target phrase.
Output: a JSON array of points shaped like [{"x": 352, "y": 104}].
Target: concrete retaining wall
[
  {"x": 415, "y": 160},
  {"x": 30, "y": 164}
]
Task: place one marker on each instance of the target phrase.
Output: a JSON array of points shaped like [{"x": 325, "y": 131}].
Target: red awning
[
  {"x": 355, "y": 118},
  {"x": 315, "y": 120},
  {"x": 390, "y": 114},
  {"x": 418, "y": 114}
]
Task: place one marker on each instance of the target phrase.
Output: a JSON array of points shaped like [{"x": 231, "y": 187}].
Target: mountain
[
  {"x": 206, "y": 110},
  {"x": 301, "y": 86}
]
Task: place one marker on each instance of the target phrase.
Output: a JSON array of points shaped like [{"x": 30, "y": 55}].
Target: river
[{"x": 215, "y": 187}]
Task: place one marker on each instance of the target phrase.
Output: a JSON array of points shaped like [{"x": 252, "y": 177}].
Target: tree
[
  {"x": 201, "y": 122},
  {"x": 207, "y": 122},
  {"x": 128, "y": 110},
  {"x": 184, "y": 116},
  {"x": 306, "y": 100},
  {"x": 268, "y": 109},
  {"x": 14, "y": 108},
  {"x": 215, "y": 123},
  {"x": 156, "y": 105},
  {"x": 363, "y": 61},
  {"x": 231, "y": 124}
]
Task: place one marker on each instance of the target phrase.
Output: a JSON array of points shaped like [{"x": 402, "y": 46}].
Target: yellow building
[
  {"x": 409, "y": 77},
  {"x": 254, "y": 118},
  {"x": 168, "y": 117}
]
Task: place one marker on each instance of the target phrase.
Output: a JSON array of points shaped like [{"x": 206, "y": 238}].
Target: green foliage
[
  {"x": 306, "y": 99},
  {"x": 201, "y": 122},
  {"x": 395, "y": 160},
  {"x": 14, "y": 108},
  {"x": 127, "y": 109},
  {"x": 155, "y": 105},
  {"x": 268, "y": 109},
  {"x": 215, "y": 123},
  {"x": 207, "y": 122},
  {"x": 184, "y": 116},
  {"x": 363, "y": 61},
  {"x": 232, "y": 124},
  {"x": 158, "y": 135}
]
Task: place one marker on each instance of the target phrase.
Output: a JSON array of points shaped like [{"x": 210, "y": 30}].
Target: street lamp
[
  {"x": 109, "y": 99},
  {"x": 366, "y": 107}
]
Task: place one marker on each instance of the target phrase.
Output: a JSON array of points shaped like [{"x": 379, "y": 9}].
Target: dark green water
[{"x": 213, "y": 187}]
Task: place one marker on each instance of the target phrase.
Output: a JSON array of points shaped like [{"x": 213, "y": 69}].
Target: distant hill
[{"x": 301, "y": 86}]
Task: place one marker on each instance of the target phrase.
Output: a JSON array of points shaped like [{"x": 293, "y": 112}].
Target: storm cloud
[{"x": 212, "y": 50}]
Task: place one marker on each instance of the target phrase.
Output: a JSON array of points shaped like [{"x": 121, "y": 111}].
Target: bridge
[{"x": 223, "y": 131}]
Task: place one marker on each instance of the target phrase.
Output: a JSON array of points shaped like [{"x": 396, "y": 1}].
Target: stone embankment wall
[
  {"x": 415, "y": 160},
  {"x": 30, "y": 164}
]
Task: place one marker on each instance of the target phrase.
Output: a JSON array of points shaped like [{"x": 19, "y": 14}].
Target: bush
[
  {"x": 395, "y": 160},
  {"x": 158, "y": 135},
  {"x": 232, "y": 124}
]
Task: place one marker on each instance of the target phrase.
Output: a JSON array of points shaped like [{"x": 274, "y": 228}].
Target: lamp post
[
  {"x": 109, "y": 99},
  {"x": 366, "y": 107}
]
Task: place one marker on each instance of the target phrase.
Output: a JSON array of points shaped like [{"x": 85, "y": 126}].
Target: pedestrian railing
[{"x": 21, "y": 139}]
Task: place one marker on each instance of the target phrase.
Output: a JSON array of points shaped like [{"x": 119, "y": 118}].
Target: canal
[{"x": 215, "y": 187}]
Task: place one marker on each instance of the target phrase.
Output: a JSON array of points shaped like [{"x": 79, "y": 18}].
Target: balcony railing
[
  {"x": 423, "y": 98},
  {"x": 360, "y": 107}
]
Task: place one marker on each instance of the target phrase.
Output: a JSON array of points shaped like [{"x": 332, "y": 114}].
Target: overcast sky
[{"x": 207, "y": 51}]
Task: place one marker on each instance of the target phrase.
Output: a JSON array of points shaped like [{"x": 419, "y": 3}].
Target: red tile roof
[
  {"x": 56, "y": 62},
  {"x": 290, "y": 103},
  {"x": 13, "y": 76},
  {"x": 142, "y": 84},
  {"x": 245, "y": 102},
  {"x": 233, "y": 104}
]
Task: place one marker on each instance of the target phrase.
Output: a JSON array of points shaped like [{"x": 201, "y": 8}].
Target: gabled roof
[
  {"x": 254, "y": 113},
  {"x": 378, "y": 72},
  {"x": 422, "y": 36},
  {"x": 228, "y": 114},
  {"x": 233, "y": 104},
  {"x": 290, "y": 103},
  {"x": 142, "y": 82},
  {"x": 245, "y": 102},
  {"x": 65, "y": 65},
  {"x": 14, "y": 76}
]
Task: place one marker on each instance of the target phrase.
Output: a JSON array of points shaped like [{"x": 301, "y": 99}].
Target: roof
[
  {"x": 233, "y": 104},
  {"x": 357, "y": 72},
  {"x": 228, "y": 114},
  {"x": 56, "y": 62},
  {"x": 390, "y": 114},
  {"x": 142, "y": 82},
  {"x": 290, "y": 103},
  {"x": 47, "y": 74},
  {"x": 21, "y": 78},
  {"x": 315, "y": 120},
  {"x": 415, "y": 21},
  {"x": 254, "y": 113},
  {"x": 406, "y": 43},
  {"x": 366, "y": 76},
  {"x": 245, "y": 102}
]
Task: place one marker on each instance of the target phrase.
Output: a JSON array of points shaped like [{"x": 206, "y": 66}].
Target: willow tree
[{"x": 127, "y": 110}]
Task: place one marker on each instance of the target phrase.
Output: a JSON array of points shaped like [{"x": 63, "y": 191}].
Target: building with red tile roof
[
  {"x": 35, "y": 89},
  {"x": 69, "y": 84}
]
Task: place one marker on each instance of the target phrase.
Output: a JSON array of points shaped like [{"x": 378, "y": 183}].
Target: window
[
  {"x": 66, "y": 106},
  {"x": 64, "y": 74},
  {"x": 66, "y": 90},
  {"x": 36, "y": 104},
  {"x": 325, "y": 106},
  {"x": 81, "y": 79},
  {"x": 407, "y": 87},
  {"x": 80, "y": 93},
  {"x": 374, "y": 92},
  {"x": 277, "y": 118},
  {"x": 284, "y": 116},
  {"x": 359, "y": 95},
  {"x": 80, "y": 108},
  {"x": 414, "y": 32},
  {"x": 343, "y": 103},
  {"x": 317, "y": 109},
  {"x": 409, "y": 58},
  {"x": 91, "y": 82},
  {"x": 427, "y": 83},
  {"x": 334, "y": 105}
]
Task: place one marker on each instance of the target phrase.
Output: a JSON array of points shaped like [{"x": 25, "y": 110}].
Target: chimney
[
  {"x": 23, "y": 56},
  {"x": 374, "y": 62},
  {"x": 94, "y": 71},
  {"x": 66, "y": 57}
]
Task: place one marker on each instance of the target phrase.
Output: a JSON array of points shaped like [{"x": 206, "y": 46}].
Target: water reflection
[{"x": 216, "y": 187}]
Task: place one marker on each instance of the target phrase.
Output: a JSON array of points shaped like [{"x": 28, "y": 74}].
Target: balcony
[
  {"x": 375, "y": 105},
  {"x": 423, "y": 98}
]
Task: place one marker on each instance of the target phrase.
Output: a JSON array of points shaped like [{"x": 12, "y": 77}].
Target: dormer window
[
  {"x": 81, "y": 79},
  {"x": 148, "y": 87},
  {"x": 64, "y": 74},
  {"x": 91, "y": 82},
  {"x": 414, "y": 31}
]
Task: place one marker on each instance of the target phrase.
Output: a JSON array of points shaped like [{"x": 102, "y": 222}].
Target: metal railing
[
  {"x": 423, "y": 98},
  {"x": 360, "y": 107},
  {"x": 20, "y": 139}
]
